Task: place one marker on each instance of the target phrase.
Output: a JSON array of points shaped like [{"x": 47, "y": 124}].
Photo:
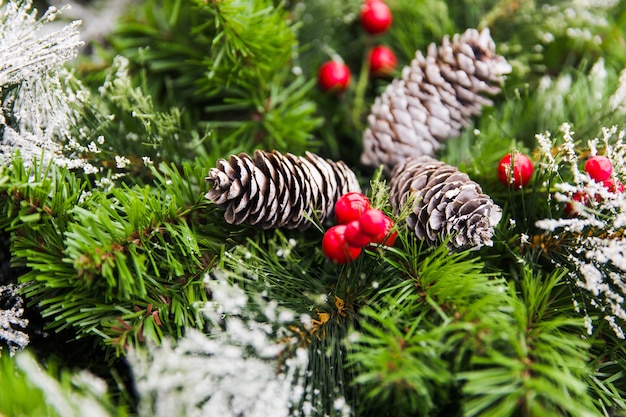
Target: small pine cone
[
  {"x": 446, "y": 202},
  {"x": 273, "y": 190},
  {"x": 435, "y": 98}
]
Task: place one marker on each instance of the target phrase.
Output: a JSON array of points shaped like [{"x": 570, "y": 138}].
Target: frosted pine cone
[
  {"x": 435, "y": 98},
  {"x": 446, "y": 202},
  {"x": 273, "y": 190}
]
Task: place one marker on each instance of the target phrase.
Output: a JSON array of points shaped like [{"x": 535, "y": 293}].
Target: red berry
[
  {"x": 354, "y": 236},
  {"x": 599, "y": 167},
  {"x": 372, "y": 222},
  {"x": 517, "y": 176},
  {"x": 375, "y": 17},
  {"x": 614, "y": 186},
  {"x": 333, "y": 76},
  {"x": 350, "y": 206},
  {"x": 386, "y": 238},
  {"x": 571, "y": 207},
  {"x": 336, "y": 248},
  {"x": 382, "y": 61}
]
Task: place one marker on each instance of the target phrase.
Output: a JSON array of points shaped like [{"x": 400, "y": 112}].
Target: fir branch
[
  {"x": 242, "y": 77},
  {"x": 399, "y": 366},
  {"x": 540, "y": 373},
  {"x": 563, "y": 33},
  {"x": 422, "y": 330},
  {"x": 280, "y": 117},
  {"x": 123, "y": 129},
  {"x": 122, "y": 264}
]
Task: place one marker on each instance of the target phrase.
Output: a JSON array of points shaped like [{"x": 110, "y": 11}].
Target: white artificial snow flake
[
  {"x": 524, "y": 239},
  {"x": 588, "y": 324},
  {"x": 121, "y": 161},
  {"x": 616, "y": 328},
  {"x": 12, "y": 323},
  {"x": 592, "y": 276},
  {"x": 545, "y": 145},
  {"x": 93, "y": 147}
]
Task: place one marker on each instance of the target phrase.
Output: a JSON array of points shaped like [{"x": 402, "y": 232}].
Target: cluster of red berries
[
  {"x": 599, "y": 168},
  {"x": 334, "y": 75},
  {"x": 515, "y": 170},
  {"x": 359, "y": 225}
]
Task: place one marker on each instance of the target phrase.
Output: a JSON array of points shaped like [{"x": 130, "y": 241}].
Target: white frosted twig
[
  {"x": 596, "y": 254},
  {"x": 40, "y": 97}
]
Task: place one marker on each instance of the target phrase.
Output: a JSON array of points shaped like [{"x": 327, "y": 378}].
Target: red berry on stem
[
  {"x": 386, "y": 238},
  {"x": 333, "y": 76},
  {"x": 382, "y": 61},
  {"x": 350, "y": 206},
  {"x": 336, "y": 248},
  {"x": 518, "y": 175},
  {"x": 354, "y": 236},
  {"x": 372, "y": 222},
  {"x": 375, "y": 17},
  {"x": 599, "y": 167}
]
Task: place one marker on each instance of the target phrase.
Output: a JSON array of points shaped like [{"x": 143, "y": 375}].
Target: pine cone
[
  {"x": 273, "y": 190},
  {"x": 434, "y": 100},
  {"x": 446, "y": 202}
]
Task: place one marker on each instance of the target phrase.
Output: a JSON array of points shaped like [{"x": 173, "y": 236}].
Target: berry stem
[{"x": 361, "y": 86}]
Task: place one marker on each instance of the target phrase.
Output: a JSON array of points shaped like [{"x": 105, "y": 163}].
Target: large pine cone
[
  {"x": 273, "y": 190},
  {"x": 446, "y": 203},
  {"x": 436, "y": 98}
]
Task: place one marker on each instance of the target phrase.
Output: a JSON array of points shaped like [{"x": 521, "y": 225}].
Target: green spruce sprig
[
  {"x": 122, "y": 264},
  {"x": 421, "y": 330},
  {"x": 229, "y": 65},
  {"x": 537, "y": 358}
]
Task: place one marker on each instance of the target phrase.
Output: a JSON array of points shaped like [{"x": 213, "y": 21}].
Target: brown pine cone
[
  {"x": 273, "y": 190},
  {"x": 434, "y": 100},
  {"x": 445, "y": 203}
]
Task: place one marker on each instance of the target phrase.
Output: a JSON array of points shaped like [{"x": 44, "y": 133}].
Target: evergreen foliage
[
  {"x": 102, "y": 260},
  {"x": 28, "y": 390},
  {"x": 135, "y": 288},
  {"x": 228, "y": 64}
]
